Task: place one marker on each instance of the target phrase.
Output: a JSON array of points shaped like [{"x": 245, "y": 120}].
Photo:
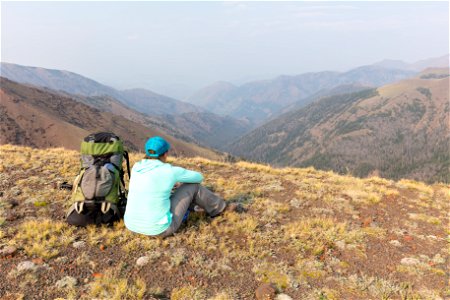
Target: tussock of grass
[
  {"x": 111, "y": 286},
  {"x": 276, "y": 274},
  {"x": 43, "y": 238},
  {"x": 424, "y": 218},
  {"x": 415, "y": 185},
  {"x": 187, "y": 292},
  {"x": 316, "y": 235},
  {"x": 309, "y": 270},
  {"x": 222, "y": 296},
  {"x": 235, "y": 224}
]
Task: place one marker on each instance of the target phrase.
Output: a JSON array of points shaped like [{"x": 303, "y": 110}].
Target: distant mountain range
[
  {"x": 436, "y": 62},
  {"x": 40, "y": 118},
  {"x": 398, "y": 130},
  {"x": 364, "y": 121},
  {"x": 259, "y": 101},
  {"x": 141, "y": 99},
  {"x": 179, "y": 119},
  {"x": 208, "y": 128}
]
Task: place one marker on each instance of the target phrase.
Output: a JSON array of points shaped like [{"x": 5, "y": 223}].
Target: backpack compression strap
[{"x": 127, "y": 159}]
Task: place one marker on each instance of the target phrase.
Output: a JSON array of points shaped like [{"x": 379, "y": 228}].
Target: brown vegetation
[
  {"x": 310, "y": 234},
  {"x": 396, "y": 131}
]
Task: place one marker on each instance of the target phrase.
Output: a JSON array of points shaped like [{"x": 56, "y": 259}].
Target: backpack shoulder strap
[{"x": 127, "y": 159}]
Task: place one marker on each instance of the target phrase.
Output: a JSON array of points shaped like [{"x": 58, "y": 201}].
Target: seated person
[{"x": 151, "y": 208}]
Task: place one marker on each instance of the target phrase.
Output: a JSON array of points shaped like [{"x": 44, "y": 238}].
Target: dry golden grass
[
  {"x": 43, "y": 238},
  {"x": 111, "y": 286},
  {"x": 305, "y": 231},
  {"x": 187, "y": 292}
]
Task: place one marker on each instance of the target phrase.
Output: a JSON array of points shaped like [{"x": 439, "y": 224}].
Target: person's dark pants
[{"x": 187, "y": 194}]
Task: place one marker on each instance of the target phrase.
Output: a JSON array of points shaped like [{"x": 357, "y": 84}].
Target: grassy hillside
[
  {"x": 312, "y": 234},
  {"x": 398, "y": 131}
]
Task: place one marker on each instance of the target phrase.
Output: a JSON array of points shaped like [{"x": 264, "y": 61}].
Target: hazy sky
[{"x": 175, "y": 47}]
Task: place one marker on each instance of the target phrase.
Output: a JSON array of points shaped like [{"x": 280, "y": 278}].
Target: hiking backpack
[{"x": 99, "y": 194}]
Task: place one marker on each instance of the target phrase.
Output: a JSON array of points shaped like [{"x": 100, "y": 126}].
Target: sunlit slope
[
  {"x": 40, "y": 118},
  {"x": 312, "y": 234},
  {"x": 397, "y": 131}
]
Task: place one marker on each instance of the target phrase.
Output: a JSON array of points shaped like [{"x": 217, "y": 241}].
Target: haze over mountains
[
  {"x": 260, "y": 100},
  {"x": 303, "y": 119}
]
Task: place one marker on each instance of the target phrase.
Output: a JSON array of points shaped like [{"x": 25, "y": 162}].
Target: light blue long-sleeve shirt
[{"x": 148, "y": 206}]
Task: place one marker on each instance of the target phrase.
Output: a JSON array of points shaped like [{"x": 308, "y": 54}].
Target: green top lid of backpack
[{"x": 91, "y": 148}]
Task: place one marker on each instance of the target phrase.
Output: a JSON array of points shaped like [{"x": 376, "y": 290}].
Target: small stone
[
  {"x": 62, "y": 259},
  {"x": 226, "y": 267},
  {"x": 66, "y": 282},
  {"x": 38, "y": 261},
  {"x": 26, "y": 266},
  {"x": 409, "y": 261},
  {"x": 15, "y": 191},
  {"x": 265, "y": 292},
  {"x": 283, "y": 297},
  {"x": 395, "y": 243},
  {"x": 9, "y": 250},
  {"x": 79, "y": 244},
  {"x": 408, "y": 238},
  {"x": 142, "y": 261},
  {"x": 340, "y": 245}
]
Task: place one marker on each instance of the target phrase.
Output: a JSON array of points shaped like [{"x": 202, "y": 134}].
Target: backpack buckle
[
  {"x": 79, "y": 206},
  {"x": 106, "y": 206}
]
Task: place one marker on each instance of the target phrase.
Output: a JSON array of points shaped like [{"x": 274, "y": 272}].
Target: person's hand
[{"x": 177, "y": 185}]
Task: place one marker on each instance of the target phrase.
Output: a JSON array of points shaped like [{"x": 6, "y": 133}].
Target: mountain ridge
[
  {"x": 39, "y": 118},
  {"x": 73, "y": 83},
  {"x": 400, "y": 131}
]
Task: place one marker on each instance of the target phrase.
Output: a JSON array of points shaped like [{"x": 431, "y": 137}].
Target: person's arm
[{"x": 187, "y": 176}]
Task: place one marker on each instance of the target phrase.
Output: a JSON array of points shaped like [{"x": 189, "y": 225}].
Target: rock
[
  {"x": 26, "y": 266},
  {"x": 395, "y": 243},
  {"x": 340, "y": 245},
  {"x": 15, "y": 191},
  {"x": 408, "y": 238},
  {"x": 9, "y": 250},
  {"x": 38, "y": 261},
  {"x": 283, "y": 297},
  {"x": 62, "y": 259},
  {"x": 142, "y": 261},
  {"x": 225, "y": 267},
  {"x": 409, "y": 261},
  {"x": 265, "y": 292},
  {"x": 66, "y": 282},
  {"x": 79, "y": 244}
]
